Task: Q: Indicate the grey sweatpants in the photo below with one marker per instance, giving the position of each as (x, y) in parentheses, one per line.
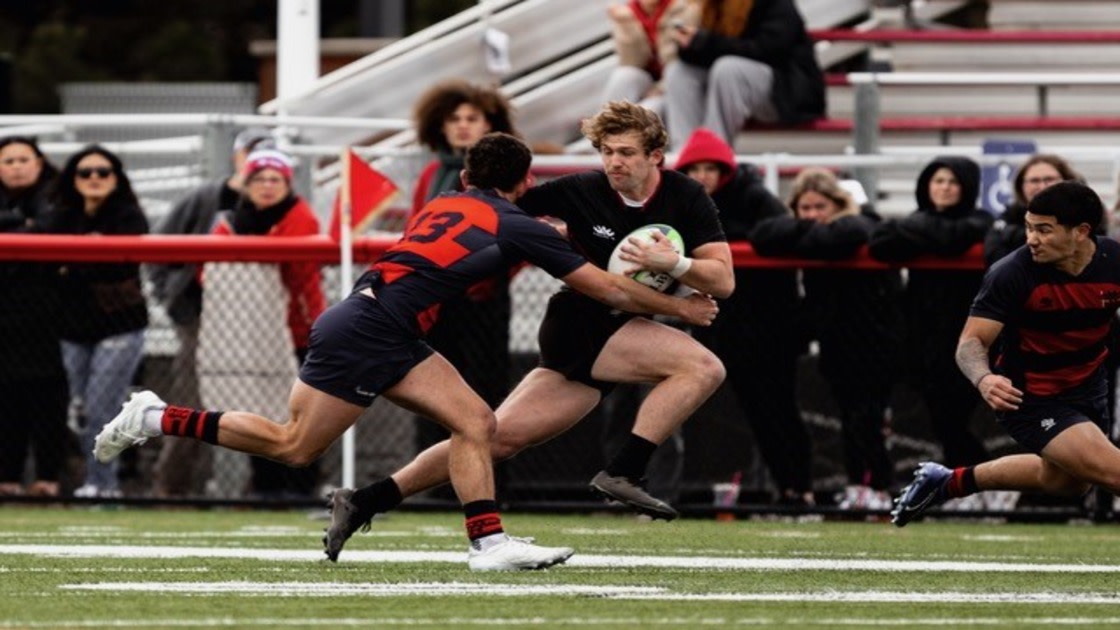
(721, 98)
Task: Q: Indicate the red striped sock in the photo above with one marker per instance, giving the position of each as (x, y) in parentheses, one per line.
(192, 423)
(962, 483)
(483, 519)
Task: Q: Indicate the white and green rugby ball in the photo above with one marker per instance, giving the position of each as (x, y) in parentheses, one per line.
(656, 281)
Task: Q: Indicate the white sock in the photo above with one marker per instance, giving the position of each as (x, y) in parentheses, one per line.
(153, 421)
(486, 542)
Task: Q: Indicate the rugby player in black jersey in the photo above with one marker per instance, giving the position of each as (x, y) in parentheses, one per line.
(586, 347)
(1046, 311)
(372, 344)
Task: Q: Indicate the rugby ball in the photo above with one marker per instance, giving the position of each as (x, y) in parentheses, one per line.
(654, 280)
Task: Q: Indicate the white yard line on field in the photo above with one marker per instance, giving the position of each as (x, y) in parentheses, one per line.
(585, 560)
(624, 622)
(466, 589)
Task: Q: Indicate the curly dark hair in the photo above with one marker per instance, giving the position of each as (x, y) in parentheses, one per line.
(442, 99)
(497, 160)
(619, 117)
(66, 196)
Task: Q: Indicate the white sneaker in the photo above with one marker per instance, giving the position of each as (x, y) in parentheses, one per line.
(127, 429)
(517, 555)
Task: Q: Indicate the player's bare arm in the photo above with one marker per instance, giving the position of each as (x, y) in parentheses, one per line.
(625, 294)
(972, 357)
(708, 270)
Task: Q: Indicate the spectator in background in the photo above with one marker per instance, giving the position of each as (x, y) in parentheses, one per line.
(1009, 233)
(472, 330)
(948, 224)
(854, 314)
(32, 380)
(269, 207)
(180, 468)
(748, 60)
(641, 31)
(105, 314)
(753, 336)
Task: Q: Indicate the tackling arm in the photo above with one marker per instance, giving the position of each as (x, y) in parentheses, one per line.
(626, 294)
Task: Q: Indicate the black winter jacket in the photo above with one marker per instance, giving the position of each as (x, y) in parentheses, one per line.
(854, 314)
(775, 35)
(936, 302)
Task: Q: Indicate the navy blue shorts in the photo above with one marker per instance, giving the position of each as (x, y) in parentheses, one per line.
(358, 351)
(1034, 424)
(573, 333)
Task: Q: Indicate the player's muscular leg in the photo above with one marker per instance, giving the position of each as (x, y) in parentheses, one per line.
(435, 389)
(317, 419)
(685, 373)
(1029, 473)
(1085, 453)
(543, 405)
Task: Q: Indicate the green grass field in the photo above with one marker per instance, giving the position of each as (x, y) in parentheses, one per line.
(139, 568)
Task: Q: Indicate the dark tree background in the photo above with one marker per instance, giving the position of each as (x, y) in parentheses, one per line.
(48, 42)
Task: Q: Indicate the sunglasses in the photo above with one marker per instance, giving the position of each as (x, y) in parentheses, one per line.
(101, 171)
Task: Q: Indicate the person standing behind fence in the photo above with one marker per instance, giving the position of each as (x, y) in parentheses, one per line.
(32, 380)
(269, 207)
(104, 314)
(1009, 232)
(180, 469)
(472, 331)
(748, 60)
(641, 32)
(753, 336)
(948, 224)
(854, 314)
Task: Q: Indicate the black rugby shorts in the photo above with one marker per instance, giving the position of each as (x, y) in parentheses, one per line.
(358, 351)
(573, 333)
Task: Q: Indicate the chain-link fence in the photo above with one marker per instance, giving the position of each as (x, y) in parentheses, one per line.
(240, 353)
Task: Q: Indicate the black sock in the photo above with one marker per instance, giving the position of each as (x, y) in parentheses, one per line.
(483, 519)
(378, 497)
(631, 460)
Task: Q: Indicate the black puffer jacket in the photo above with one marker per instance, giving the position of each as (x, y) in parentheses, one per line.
(29, 294)
(854, 314)
(936, 301)
(101, 299)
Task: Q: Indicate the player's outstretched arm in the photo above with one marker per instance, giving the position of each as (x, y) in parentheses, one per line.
(708, 270)
(625, 294)
(972, 357)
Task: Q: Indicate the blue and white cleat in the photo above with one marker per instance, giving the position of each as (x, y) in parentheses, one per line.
(926, 491)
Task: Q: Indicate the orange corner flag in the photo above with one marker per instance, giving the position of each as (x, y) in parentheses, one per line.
(367, 192)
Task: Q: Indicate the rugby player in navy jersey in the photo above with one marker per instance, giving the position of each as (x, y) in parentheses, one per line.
(371, 344)
(1049, 305)
(586, 347)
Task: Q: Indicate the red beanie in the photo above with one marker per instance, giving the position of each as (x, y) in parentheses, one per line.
(268, 158)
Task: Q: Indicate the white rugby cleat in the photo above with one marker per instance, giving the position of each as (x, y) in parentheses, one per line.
(127, 429)
(515, 554)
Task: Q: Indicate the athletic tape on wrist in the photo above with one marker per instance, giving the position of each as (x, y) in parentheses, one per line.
(684, 263)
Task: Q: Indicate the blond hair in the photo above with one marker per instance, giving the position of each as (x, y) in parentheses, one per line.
(619, 117)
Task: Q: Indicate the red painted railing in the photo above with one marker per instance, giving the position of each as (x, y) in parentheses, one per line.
(321, 249)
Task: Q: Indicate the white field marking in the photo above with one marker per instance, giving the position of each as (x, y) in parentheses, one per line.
(115, 535)
(594, 531)
(626, 622)
(1001, 538)
(444, 589)
(589, 560)
(790, 534)
(886, 597)
(333, 589)
(69, 570)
